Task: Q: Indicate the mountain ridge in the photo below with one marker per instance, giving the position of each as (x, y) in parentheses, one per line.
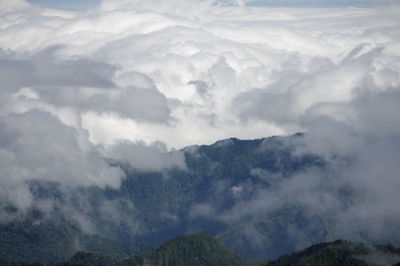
(228, 190)
(202, 250)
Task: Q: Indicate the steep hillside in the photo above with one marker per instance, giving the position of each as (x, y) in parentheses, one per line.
(344, 253)
(203, 250)
(196, 250)
(252, 195)
(57, 240)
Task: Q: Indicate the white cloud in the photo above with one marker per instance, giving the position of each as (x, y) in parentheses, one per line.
(127, 74)
(37, 146)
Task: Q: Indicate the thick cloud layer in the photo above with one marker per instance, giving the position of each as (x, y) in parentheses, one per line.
(127, 80)
(357, 190)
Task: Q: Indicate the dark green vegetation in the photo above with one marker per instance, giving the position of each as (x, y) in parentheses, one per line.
(181, 251)
(199, 250)
(152, 207)
(190, 250)
(342, 253)
(201, 198)
(57, 240)
(227, 191)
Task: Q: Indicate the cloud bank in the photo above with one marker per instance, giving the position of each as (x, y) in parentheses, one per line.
(128, 80)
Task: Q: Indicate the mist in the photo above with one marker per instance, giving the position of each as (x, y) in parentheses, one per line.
(136, 81)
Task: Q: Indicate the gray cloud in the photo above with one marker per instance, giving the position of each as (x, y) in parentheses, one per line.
(295, 92)
(133, 72)
(356, 190)
(246, 63)
(144, 105)
(83, 84)
(44, 69)
(145, 157)
(38, 146)
(371, 140)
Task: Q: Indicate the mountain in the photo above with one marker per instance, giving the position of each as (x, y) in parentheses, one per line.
(196, 250)
(57, 240)
(193, 250)
(154, 206)
(343, 253)
(199, 250)
(231, 190)
(203, 250)
(219, 178)
(208, 197)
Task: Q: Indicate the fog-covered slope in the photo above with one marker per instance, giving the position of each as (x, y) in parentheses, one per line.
(261, 198)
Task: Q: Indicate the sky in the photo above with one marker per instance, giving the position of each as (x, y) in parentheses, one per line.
(133, 80)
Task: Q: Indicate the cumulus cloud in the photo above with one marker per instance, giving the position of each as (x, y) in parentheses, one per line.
(85, 85)
(116, 80)
(325, 82)
(42, 69)
(269, 55)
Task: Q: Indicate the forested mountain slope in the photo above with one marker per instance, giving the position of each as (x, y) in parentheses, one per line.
(255, 196)
(203, 250)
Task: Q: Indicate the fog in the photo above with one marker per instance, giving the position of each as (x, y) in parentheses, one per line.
(134, 80)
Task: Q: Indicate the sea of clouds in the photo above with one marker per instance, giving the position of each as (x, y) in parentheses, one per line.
(130, 80)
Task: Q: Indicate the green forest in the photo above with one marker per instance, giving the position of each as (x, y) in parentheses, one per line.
(203, 250)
